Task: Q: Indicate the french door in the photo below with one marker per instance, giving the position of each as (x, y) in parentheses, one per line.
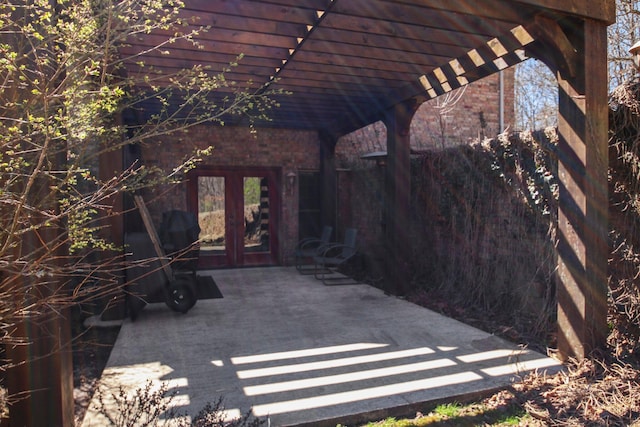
(237, 211)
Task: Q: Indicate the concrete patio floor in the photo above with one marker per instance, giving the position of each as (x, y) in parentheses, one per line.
(301, 353)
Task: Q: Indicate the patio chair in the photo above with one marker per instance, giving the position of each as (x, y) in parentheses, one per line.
(330, 257)
(306, 249)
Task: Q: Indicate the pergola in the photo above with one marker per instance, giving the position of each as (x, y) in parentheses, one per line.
(350, 63)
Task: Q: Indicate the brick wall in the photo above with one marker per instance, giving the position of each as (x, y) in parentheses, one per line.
(359, 198)
(475, 115)
(290, 150)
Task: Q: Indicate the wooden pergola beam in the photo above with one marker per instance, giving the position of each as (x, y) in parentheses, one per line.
(583, 248)
(601, 10)
(398, 195)
(583, 208)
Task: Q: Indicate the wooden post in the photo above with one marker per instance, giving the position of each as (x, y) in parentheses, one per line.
(398, 195)
(577, 52)
(38, 351)
(583, 205)
(110, 165)
(43, 383)
(40, 376)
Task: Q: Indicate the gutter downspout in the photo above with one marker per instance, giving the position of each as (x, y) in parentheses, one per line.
(501, 101)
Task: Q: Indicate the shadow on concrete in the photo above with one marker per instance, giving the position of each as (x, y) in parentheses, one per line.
(300, 353)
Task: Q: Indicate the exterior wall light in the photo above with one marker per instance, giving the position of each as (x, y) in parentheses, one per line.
(291, 182)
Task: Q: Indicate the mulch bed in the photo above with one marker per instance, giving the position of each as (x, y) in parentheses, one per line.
(91, 350)
(599, 391)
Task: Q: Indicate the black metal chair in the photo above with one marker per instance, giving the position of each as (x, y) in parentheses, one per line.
(331, 256)
(307, 248)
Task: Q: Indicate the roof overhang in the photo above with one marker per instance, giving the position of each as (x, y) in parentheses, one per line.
(345, 62)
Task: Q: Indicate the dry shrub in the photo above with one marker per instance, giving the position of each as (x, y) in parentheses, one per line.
(624, 190)
(485, 215)
(211, 225)
(154, 405)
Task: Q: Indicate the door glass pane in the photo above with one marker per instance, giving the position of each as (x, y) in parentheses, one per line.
(211, 214)
(256, 214)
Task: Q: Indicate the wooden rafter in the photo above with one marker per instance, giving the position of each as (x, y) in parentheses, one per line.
(345, 60)
(493, 56)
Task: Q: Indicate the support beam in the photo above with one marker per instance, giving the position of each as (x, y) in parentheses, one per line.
(553, 46)
(583, 206)
(398, 195)
(110, 164)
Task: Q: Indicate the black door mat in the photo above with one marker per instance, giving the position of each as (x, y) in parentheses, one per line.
(207, 288)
